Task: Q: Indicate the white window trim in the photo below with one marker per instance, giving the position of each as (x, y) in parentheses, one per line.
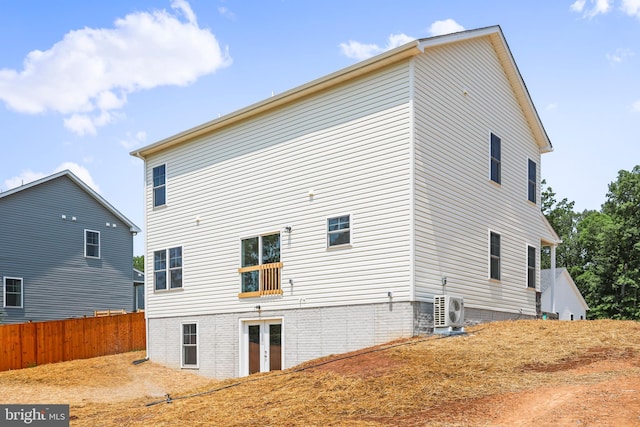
(99, 244)
(166, 189)
(537, 260)
(167, 269)
(499, 184)
(182, 364)
(259, 236)
(244, 367)
(326, 232)
(536, 194)
(489, 256)
(4, 292)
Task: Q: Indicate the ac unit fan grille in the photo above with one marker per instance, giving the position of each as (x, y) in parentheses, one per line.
(448, 311)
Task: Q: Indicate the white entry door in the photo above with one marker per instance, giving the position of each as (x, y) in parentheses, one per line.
(262, 346)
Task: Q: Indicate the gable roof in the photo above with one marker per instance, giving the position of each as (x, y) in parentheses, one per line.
(551, 236)
(138, 276)
(545, 283)
(132, 227)
(411, 49)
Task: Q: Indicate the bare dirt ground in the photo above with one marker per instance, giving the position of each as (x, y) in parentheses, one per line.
(526, 373)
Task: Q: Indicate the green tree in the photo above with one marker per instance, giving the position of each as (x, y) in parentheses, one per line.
(623, 206)
(594, 276)
(601, 249)
(564, 221)
(138, 262)
(610, 246)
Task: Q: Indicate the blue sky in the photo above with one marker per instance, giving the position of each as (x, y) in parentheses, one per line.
(84, 83)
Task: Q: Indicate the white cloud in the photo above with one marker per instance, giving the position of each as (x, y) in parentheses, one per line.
(226, 13)
(578, 6)
(360, 51)
(631, 7)
(184, 7)
(28, 176)
(619, 55)
(447, 26)
(356, 50)
(552, 107)
(134, 140)
(636, 106)
(90, 72)
(25, 177)
(81, 172)
(595, 7)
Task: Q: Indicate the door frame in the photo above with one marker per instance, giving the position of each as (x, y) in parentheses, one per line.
(243, 354)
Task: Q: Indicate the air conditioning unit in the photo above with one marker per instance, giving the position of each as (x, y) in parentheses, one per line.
(448, 311)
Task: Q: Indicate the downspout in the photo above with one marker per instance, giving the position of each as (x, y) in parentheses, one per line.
(139, 155)
(553, 278)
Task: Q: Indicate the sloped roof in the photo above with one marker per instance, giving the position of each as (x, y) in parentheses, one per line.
(545, 282)
(132, 227)
(138, 276)
(413, 48)
(551, 236)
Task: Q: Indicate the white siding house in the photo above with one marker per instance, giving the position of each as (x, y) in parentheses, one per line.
(325, 219)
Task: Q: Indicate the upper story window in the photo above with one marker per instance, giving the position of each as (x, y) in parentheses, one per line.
(531, 267)
(261, 267)
(339, 231)
(159, 186)
(167, 275)
(13, 292)
(496, 165)
(494, 262)
(91, 244)
(533, 179)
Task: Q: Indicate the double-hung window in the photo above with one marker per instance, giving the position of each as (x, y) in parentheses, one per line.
(159, 186)
(190, 345)
(533, 177)
(531, 267)
(13, 292)
(494, 256)
(496, 164)
(167, 269)
(339, 231)
(91, 244)
(260, 265)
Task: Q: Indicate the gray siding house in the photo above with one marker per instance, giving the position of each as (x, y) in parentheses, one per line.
(64, 252)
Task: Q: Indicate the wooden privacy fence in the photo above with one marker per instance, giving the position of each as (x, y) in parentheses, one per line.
(29, 344)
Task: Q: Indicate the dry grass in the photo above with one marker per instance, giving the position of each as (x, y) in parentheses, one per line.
(406, 380)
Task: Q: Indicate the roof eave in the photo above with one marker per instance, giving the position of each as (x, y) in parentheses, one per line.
(395, 55)
(322, 83)
(132, 227)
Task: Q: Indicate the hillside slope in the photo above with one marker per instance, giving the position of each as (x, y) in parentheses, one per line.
(527, 373)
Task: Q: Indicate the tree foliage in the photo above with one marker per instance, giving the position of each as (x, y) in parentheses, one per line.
(601, 249)
(564, 221)
(138, 262)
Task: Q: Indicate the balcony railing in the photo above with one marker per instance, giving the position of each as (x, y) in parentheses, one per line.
(269, 279)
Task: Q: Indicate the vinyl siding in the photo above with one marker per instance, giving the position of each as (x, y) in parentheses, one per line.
(37, 245)
(456, 204)
(350, 144)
